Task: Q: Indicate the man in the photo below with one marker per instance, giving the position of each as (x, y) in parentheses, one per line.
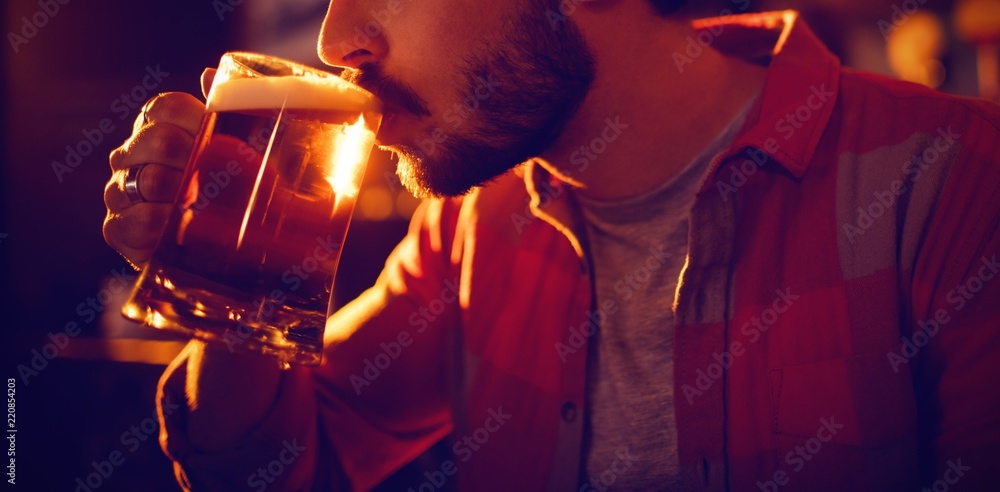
(728, 264)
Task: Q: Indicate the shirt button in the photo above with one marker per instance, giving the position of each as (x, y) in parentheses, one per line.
(569, 412)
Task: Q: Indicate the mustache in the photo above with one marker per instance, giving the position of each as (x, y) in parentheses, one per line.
(372, 78)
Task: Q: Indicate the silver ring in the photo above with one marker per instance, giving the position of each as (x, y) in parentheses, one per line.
(132, 184)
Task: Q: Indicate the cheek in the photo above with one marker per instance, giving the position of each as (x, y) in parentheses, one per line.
(431, 40)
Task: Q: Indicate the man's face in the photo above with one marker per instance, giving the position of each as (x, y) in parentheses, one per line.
(472, 88)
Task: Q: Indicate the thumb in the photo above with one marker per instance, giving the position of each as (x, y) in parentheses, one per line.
(207, 77)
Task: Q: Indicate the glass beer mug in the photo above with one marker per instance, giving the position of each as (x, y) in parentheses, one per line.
(250, 249)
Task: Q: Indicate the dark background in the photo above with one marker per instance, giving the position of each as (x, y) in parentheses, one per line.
(63, 82)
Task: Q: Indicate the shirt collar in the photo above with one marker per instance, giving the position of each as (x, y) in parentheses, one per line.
(800, 90)
(801, 84)
(551, 202)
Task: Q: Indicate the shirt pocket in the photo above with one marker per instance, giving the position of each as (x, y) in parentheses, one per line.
(859, 400)
(844, 424)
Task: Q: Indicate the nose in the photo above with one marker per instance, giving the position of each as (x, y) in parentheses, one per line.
(351, 36)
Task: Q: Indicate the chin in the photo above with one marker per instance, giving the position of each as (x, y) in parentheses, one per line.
(428, 179)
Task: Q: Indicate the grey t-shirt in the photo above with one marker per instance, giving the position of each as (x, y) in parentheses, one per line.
(638, 247)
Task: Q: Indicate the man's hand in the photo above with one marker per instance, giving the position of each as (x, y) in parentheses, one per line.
(162, 138)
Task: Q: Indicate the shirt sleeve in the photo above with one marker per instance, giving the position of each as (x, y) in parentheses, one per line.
(955, 330)
(378, 400)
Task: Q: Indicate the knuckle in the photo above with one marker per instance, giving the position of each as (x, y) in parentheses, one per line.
(117, 158)
(170, 106)
(141, 230)
(109, 189)
(151, 223)
(121, 233)
(108, 232)
(135, 232)
(160, 106)
(166, 141)
(158, 183)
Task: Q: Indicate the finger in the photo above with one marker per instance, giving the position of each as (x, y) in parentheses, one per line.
(135, 231)
(177, 108)
(157, 184)
(158, 143)
(207, 77)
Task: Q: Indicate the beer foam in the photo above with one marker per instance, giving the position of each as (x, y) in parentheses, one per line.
(291, 92)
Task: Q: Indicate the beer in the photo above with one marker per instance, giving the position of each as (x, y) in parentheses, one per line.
(251, 246)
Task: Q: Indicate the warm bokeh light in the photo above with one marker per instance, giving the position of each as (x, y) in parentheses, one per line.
(406, 204)
(978, 21)
(374, 204)
(915, 49)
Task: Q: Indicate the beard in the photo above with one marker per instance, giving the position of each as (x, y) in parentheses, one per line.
(517, 94)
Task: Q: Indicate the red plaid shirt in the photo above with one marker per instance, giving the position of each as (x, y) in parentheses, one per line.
(838, 321)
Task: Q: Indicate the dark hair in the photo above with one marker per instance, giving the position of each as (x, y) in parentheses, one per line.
(667, 7)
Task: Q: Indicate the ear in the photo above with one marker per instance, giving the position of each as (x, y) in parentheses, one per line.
(207, 77)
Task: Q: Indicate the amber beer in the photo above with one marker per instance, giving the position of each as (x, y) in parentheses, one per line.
(251, 246)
